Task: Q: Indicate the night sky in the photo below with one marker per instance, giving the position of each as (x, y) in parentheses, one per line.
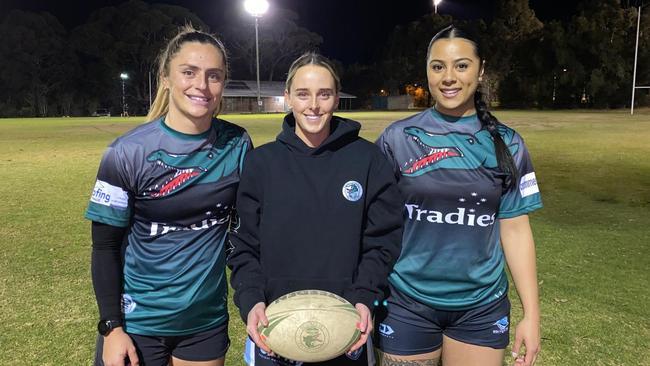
(352, 30)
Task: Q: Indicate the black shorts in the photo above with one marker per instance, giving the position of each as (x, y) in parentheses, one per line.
(209, 345)
(254, 356)
(406, 327)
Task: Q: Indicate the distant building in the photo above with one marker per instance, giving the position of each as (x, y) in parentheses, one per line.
(394, 102)
(240, 96)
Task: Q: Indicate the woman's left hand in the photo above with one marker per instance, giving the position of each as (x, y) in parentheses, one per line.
(527, 333)
(364, 325)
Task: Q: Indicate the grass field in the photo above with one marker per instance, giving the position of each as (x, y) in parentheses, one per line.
(593, 236)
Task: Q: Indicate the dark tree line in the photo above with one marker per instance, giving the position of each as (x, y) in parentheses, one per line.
(586, 61)
(49, 71)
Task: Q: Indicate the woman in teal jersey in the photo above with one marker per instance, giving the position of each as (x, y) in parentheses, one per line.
(469, 185)
(160, 213)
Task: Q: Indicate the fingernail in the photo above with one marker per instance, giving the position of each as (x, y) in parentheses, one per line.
(514, 354)
(359, 325)
(263, 337)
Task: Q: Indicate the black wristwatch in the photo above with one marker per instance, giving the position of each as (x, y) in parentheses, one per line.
(105, 326)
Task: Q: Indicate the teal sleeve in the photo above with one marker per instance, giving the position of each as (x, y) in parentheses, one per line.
(523, 197)
(110, 201)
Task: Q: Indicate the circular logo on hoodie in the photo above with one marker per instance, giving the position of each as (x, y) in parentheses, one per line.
(352, 191)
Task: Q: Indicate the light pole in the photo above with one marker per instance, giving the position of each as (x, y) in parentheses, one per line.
(636, 54)
(257, 8)
(124, 76)
(435, 5)
(555, 82)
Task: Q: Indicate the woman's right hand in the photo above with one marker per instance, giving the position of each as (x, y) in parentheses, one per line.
(256, 316)
(117, 346)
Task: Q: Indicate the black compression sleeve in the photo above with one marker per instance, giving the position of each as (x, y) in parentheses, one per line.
(106, 268)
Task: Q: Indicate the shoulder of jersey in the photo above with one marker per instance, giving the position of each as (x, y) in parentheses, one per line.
(229, 126)
(407, 121)
(135, 134)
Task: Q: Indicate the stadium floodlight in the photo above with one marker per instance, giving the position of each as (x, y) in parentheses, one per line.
(636, 55)
(124, 76)
(257, 8)
(435, 5)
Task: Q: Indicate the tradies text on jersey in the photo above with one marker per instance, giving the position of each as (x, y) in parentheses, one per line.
(159, 228)
(461, 216)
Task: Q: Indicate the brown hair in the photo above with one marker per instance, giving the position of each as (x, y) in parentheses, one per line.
(185, 35)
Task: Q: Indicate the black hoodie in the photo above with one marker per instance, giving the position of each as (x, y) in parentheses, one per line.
(327, 218)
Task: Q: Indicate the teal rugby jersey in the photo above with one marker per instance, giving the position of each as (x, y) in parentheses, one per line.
(451, 255)
(174, 192)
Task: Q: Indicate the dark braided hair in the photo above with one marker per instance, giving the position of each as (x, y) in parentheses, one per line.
(504, 158)
(505, 161)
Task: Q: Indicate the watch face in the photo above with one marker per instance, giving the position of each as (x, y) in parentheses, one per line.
(105, 326)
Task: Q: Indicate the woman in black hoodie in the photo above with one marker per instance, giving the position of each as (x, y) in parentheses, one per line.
(319, 209)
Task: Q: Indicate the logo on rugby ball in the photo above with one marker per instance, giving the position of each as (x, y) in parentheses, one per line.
(312, 336)
(352, 191)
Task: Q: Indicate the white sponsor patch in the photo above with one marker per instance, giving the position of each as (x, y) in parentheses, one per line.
(528, 185)
(109, 195)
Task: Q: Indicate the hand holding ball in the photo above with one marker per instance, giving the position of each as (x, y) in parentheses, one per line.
(310, 326)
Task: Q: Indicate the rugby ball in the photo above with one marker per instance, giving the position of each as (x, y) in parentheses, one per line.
(310, 326)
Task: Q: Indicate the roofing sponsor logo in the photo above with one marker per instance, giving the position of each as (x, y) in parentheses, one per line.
(528, 185)
(352, 191)
(109, 195)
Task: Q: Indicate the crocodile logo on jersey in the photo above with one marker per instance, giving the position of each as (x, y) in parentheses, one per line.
(452, 150)
(208, 165)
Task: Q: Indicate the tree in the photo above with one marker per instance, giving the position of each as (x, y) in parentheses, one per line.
(281, 41)
(37, 65)
(126, 38)
(404, 57)
(513, 29)
(602, 35)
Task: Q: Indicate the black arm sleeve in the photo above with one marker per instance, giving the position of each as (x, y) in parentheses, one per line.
(106, 268)
(247, 277)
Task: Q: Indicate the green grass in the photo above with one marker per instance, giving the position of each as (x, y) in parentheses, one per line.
(592, 236)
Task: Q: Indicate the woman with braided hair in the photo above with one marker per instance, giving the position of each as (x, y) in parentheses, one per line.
(469, 185)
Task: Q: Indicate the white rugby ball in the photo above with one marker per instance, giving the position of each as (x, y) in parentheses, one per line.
(311, 326)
